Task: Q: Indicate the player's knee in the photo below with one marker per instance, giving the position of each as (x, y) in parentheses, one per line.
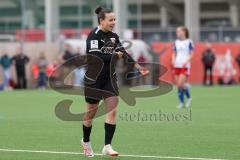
(89, 115)
(87, 123)
(88, 119)
(180, 85)
(112, 115)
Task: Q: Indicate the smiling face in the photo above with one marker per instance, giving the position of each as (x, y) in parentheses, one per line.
(108, 23)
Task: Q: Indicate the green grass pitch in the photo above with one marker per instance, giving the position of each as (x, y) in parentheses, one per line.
(210, 130)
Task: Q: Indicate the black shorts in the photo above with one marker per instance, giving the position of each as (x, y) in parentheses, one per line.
(101, 89)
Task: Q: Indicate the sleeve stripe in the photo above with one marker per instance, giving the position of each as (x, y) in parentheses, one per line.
(95, 50)
(191, 47)
(174, 47)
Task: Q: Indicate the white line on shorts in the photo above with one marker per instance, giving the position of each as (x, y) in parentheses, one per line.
(77, 153)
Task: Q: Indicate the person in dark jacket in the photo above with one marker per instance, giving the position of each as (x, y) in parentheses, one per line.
(238, 62)
(20, 60)
(6, 62)
(68, 67)
(208, 59)
(67, 55)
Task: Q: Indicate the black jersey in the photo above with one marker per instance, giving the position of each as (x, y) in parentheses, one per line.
(103, 45)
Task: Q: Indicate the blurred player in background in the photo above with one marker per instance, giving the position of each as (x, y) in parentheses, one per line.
(181, 58)
(42, 75)
(238, 62)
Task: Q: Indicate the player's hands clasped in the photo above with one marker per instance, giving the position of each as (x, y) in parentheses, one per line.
(120, 54)
(144, 71)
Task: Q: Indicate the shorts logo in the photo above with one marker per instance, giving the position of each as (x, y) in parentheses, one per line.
(113, 40)
(94, 44)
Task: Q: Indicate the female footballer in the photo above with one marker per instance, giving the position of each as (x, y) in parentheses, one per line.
(102, 43)
(181, 58)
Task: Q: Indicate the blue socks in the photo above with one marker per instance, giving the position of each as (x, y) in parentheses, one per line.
(187, 92)
(182, 92)
(181, 95)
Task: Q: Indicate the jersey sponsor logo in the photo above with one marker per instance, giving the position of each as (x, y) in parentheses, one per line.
(107, 50)
(108, 47)
(94, 44)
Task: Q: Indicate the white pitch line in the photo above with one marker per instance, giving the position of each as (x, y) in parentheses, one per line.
(77, 153)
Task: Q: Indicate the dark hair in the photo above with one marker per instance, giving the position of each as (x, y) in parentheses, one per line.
(100, 11)
(185, 29)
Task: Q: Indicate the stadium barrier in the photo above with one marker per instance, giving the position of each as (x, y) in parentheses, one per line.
(222, 68)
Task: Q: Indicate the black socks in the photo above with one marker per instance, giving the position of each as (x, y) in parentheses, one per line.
(109, 132)
(86, 133)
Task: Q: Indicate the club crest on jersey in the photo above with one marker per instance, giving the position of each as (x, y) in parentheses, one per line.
(113, 40)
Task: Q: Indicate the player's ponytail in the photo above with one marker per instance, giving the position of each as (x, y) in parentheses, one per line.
(100, 11)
